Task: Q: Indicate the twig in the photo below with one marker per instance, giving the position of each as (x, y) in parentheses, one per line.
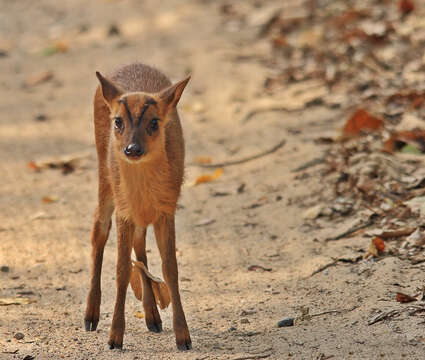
(252, 357)
(323, 268)
(353, 229)
(397, 233)
(411, 310)
(243, 160)
(335, 311)
(260, 110)
(309, 164)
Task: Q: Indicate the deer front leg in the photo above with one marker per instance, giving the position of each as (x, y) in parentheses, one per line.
(166, 239)
(152, 318)
(125, 230)
(99, 236)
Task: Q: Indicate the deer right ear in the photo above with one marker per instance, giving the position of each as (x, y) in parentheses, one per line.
(109, 90)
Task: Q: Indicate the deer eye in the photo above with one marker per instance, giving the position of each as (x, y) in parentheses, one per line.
(153, 126)
(118, 124)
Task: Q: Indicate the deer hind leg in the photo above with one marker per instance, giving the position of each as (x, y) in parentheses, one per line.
(166, 239)
(152, 318)
(125, 229)
(99, 236)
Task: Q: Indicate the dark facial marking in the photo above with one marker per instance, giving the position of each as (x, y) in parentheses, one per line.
(149, 101)
(124, 102)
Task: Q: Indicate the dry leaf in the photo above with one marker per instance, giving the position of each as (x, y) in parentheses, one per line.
(404, 298)
(56, 47)
(361, 121)
(39, 78)
(376, 247)
(66, 163)
(203, 160)
(379, 244)
(406, 6)
(159, 287)
(209, 177)
(139, 315)
(400, 139)
(16, 301)
(258, 267)
(33, 166)
(49, 199)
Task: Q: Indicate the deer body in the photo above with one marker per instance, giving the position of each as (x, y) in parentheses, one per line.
(140, 149)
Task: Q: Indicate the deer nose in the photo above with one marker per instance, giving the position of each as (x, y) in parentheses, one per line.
(134, 150)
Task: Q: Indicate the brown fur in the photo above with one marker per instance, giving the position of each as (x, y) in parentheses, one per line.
(143, 191)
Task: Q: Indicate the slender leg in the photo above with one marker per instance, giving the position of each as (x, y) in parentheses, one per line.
(99, 236)
(166, 240)
(125, 230)
(152, 318)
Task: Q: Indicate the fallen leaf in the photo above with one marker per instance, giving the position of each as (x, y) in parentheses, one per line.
(375, 248)
(410, 149)
(379, 244)
(39, 78)
(16, 301)
(404, 298)
(66, 163)
(417, 238)
(56, 47)
(49, 199)
(385, 234)
(313, 212)
(203, 160)
(205, 222)
(258, 267)
(415, 98)
(406, 6)
(139, 315)
(33, 166)
(398, 140)
(361, 121)
(159, 287)
(209, 177)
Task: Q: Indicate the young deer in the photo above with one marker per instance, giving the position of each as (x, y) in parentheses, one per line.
(140, 151)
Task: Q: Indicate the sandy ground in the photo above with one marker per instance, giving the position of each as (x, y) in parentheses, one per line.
(232, 312)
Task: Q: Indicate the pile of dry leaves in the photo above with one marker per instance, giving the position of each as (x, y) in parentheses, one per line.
(366, 58)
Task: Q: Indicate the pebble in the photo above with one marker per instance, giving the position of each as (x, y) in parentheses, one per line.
(19, 336)
(4, 268)
(286, 322)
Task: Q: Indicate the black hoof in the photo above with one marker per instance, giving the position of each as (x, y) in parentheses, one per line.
(184, 346)
(91, 325)
(112, 345)
(155, 327)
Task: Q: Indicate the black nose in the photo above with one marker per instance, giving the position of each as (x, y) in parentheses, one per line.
(134, 150)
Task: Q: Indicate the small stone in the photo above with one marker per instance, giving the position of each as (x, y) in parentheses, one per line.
(286, 322)
(4, 268)
(40, 117)
(114, 30)
(313, 212)
(19, 336)
(244, 321)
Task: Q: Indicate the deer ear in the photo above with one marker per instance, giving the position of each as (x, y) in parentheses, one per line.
(171, 95)
(109, 90)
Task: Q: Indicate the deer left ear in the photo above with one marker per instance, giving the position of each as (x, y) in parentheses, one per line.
(171, 95)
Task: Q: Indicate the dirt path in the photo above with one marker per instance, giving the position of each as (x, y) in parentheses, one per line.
(250, 216)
